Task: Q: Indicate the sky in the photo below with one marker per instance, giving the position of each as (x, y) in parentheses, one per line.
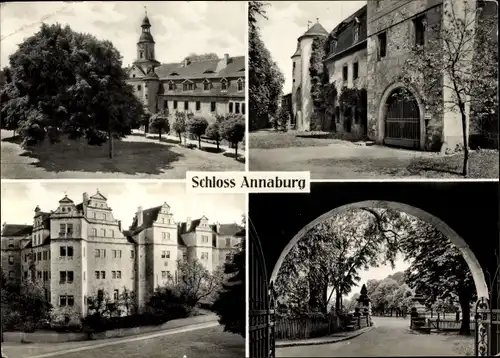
(288, 20)
(178, 28)
(19, 200)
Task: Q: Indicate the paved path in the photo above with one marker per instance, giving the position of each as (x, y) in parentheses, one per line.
(341, 160)
(205, 340)
(389, 337)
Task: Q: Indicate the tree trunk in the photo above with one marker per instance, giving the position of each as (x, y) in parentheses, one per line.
(217, 141)
(199, 142)
(159, 135)
(110, 141)
(236, 150)
(337, 300)
(180, 138)
(464, 299)
(465, 169)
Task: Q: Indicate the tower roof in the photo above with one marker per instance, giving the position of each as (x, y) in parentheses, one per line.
(145, 22)
(315, 30)
(297, 51)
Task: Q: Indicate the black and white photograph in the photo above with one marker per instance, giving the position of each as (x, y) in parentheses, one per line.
(375, 270)
(374, 89)
(121, 270)
(109, 90)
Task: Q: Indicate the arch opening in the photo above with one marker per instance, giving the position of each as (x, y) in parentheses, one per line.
(401, 120)
(447, 231)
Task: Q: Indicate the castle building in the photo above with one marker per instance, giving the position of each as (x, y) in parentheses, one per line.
(366, 52)
(79, 250)
(202, 86)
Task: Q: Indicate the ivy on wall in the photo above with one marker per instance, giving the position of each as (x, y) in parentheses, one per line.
(318, 73)
(353, 99)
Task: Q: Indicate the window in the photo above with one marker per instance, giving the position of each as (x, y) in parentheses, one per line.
(117, 254)
(103, 274)
(237, 107)
(11, 275)
(188, 86)
(94, 232)
(97, 274)
(62, 277)
(228, 242)
(165, 236)
(382, 45)
(198, 105)
(39, 274)
(356, 33)
(70, 251)
(241, 84)
(223, 85)
(11, 242)
(138, 87)
(62, 300)
(165, 105)
(204, 239)
(184, 255)
(213, 106)
(345, 72)
(175, 104)
(97, 253)
(419, 26)
(25, 257)
(133, 75)
(103, 232)
(186, 105)
(377, 3)
(118, 274)
(243, 107)
(113, 274)
(115, 295)
(83, 275)
(164, 274)
(230, 107)
(171, 86)
(132, 254)
(45, 275)
(11, 259)
(355, 70)
(45, 255)
(206, 85)
(165, 254)
(39, 256)
(25, 274)
(112, 232)
(70, 276)
(204, 255)
(141, 54)
(294, 65)
(333, 45)
(71, 300)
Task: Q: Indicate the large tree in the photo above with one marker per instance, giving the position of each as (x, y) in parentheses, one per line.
(65, 82)
(460, 58)
(230, 305)
(266, 79)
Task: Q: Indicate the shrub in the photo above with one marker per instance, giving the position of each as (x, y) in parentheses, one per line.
(233, 130)
(159, 121)
(213, 132)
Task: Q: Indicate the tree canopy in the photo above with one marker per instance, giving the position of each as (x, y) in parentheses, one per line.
(64, 82)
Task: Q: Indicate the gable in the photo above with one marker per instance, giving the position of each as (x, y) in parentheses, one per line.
(136, 71)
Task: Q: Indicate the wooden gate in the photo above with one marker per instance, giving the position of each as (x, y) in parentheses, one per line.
(262, 320)
(402, 122)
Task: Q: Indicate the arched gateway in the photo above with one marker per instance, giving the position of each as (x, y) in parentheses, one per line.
(437, 204)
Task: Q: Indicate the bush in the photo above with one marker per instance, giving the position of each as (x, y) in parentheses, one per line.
(213, 132)
(233, 130)
(197, 126)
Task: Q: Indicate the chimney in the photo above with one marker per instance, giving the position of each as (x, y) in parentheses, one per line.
(226, 59)
(188, 223)
(186, 62)
(120, 225)
(139, 216)
(85, 198)
(218, 228)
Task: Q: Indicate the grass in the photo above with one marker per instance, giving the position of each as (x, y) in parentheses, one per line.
(271, 139)
(208, 342)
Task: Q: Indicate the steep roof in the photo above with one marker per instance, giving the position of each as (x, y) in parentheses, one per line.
(229, 229)
(17, 230)
(297, 51)
(344, 32)
(149, 216)
(316, 30)
(203, 68)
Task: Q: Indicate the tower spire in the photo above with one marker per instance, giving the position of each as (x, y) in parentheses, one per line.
(145, 10)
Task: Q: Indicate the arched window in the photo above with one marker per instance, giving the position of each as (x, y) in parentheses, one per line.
(223, 84)
(241, 85)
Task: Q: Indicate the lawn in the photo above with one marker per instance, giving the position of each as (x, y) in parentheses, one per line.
(270, 139)
(134, 156)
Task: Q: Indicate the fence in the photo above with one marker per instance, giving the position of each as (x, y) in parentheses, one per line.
(448, 325)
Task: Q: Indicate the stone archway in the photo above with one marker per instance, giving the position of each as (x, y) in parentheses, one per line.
(448, 232)
(417, 138)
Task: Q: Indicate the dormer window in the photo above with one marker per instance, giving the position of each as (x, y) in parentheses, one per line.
(241, 85)
(208, 71)
(171, 86)
(133, 76)
(174, 74)
(223, 84)
(141, 54)
(241, 69)
(333, 45)
(206, 85)
(356, 32)
(188, 86)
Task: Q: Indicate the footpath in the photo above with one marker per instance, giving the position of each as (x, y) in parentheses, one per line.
(333, 338)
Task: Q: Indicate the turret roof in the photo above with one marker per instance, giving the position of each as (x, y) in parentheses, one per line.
(315, 30)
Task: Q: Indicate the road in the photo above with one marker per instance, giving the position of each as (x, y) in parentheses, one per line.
(389, 337)
(208, 341)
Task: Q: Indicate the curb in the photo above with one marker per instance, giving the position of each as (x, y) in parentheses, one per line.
(326, 341)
